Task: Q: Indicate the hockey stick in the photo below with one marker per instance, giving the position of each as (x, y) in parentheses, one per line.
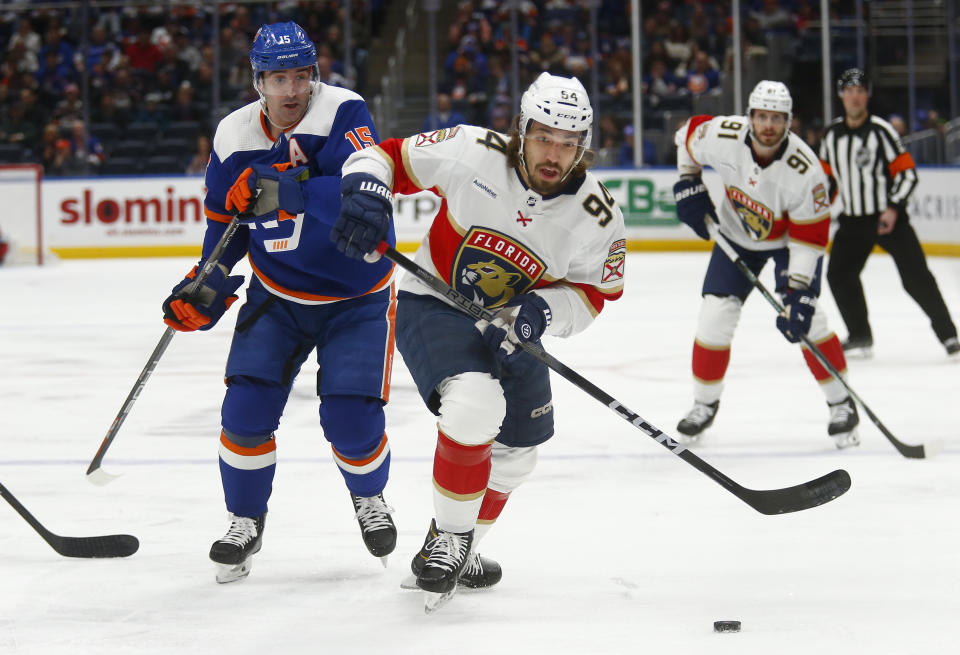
(915, 452)
(95, 472)
(111, 545)
(766, 501)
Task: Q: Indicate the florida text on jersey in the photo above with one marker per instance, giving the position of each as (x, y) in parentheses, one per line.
(294, 258)
(494, 237)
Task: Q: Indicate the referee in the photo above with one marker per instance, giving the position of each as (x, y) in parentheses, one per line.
(875, 176)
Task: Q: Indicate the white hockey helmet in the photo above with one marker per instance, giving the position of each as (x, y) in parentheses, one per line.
(559, 102)
(771, 96)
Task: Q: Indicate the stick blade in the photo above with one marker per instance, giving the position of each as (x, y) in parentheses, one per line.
(800, 497)
(933, 448)
(100, 477)
(113, 545)
(921, 451)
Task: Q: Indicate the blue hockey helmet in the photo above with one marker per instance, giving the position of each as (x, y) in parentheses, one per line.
(281, 46)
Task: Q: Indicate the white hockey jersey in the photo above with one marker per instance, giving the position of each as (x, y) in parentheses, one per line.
(494, 237)
(782, 204)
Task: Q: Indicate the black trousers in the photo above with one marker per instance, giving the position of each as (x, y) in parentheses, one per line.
(852, 244)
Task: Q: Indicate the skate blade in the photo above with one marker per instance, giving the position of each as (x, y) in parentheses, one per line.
(432, 601)
(383, 560)
(859, 353)
(227, 573)
(689, 439)
(409, 583)
(846, 440)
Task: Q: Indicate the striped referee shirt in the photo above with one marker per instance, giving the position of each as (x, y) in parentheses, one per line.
(870, 166)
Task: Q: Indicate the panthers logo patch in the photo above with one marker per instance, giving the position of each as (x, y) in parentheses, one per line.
(491, 268)
(756, 217)
(616, 258)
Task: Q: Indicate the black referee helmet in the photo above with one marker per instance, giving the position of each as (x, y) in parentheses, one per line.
(852, 77)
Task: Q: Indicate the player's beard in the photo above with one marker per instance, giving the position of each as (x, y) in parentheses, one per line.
(771, 139)
(545, 186)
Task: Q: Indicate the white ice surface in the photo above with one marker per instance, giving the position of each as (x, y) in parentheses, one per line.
(613, 546)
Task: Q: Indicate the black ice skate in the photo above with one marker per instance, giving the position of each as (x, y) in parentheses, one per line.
(234, 552)
(377, 528)
(449, 552)
(859, 347)
(698, 419)
(478, 573)
(843, 423)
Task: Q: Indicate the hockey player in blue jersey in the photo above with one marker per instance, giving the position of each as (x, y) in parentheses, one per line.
(303, 294)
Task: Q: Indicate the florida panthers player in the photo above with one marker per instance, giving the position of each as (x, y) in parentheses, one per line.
(523, 229)
(776, 207)
(303, 293)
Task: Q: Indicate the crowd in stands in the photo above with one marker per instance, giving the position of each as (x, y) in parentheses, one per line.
(151, 76)
(150, 80)
(686, 47)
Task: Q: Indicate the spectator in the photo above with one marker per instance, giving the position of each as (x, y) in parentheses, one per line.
(52, 77)
(21, 60)
(71, 106)
(48, 145)
(19, 127)
(99, 49)
(26, 37)
(579, 61)
(63, 162)
(608, 132)
(86, 150)
(813, 133)
(327, 75)
(151, 111)
(106, 111)
(500, 120)
(900, 125)
(198, 164)
(126, 91)
(143, 54)
(616, 86)
(61, 51)
(773, 19)
(184, 109)
(446, 116)
(702, 76)
(549, 58)
(679, 47)
(659, 84)
(648, 157)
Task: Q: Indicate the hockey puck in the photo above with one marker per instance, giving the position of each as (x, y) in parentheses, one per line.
(726, 626)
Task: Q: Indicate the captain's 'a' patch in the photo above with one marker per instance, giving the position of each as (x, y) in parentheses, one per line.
(616, 260)
(436, 136)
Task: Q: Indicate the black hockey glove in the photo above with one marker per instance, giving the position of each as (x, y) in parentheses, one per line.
(366, 208)
(522, 319)
(798, 308)
(693, 204)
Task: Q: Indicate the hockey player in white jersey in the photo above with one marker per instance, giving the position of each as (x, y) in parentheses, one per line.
(524, 230)
(776, 206)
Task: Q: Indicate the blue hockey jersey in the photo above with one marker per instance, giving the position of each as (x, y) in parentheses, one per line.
(294, 258)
